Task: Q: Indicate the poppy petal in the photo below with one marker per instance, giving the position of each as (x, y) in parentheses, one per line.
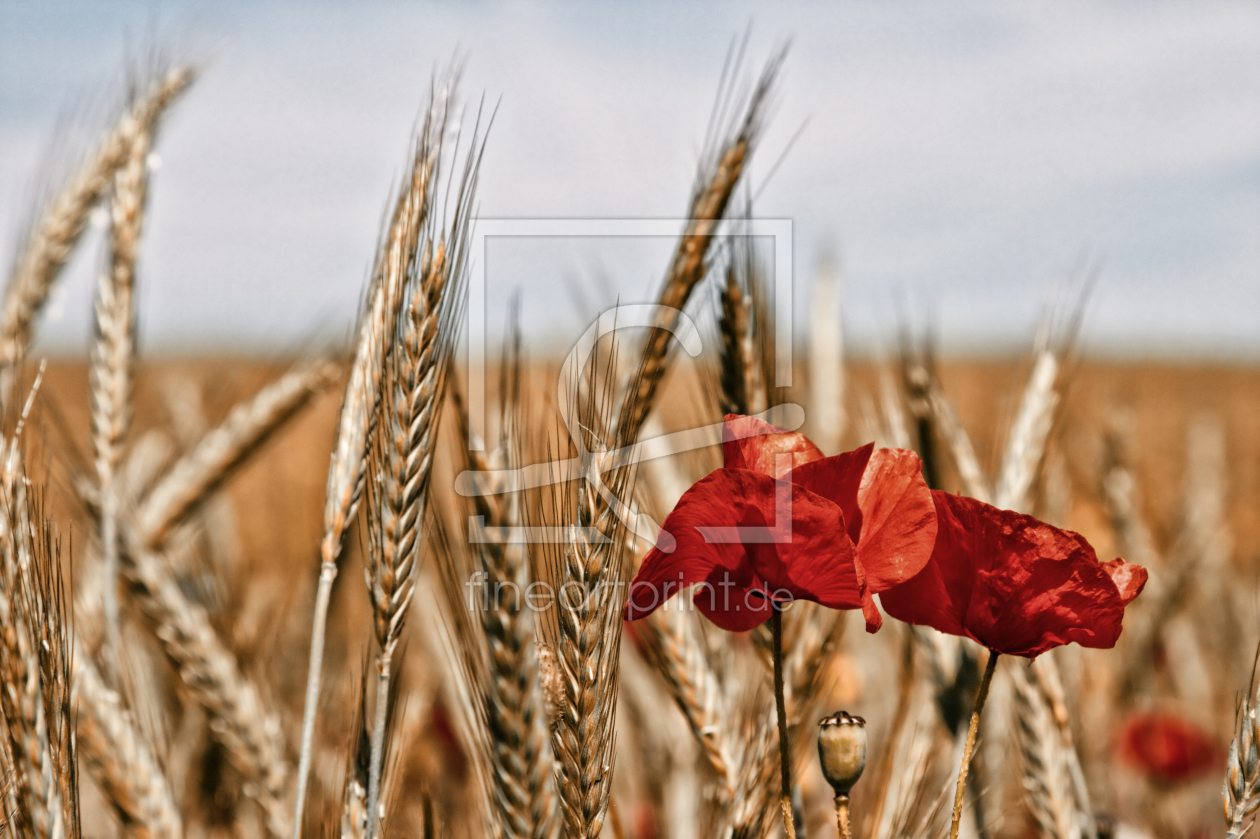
(887, 505)
(733, 609)
(744, 535)
(874, 620)
(1130, 579)
(1013, 583)
(754, 444)
(838, 479)
(1168, 749)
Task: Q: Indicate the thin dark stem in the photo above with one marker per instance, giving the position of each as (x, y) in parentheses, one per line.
(970, 745)
(785, 763)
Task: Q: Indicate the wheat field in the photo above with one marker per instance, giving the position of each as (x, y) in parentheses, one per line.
(189, 647)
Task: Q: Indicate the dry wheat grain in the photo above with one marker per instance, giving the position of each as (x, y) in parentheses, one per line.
(63, 219)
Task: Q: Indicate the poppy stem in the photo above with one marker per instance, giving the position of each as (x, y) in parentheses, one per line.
(842, 817)
(970, 745)
(785, 763)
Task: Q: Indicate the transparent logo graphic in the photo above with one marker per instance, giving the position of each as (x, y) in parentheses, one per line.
(592, 465)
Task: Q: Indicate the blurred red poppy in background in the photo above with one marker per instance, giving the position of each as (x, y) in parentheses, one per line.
(1167, 749)
(780, 522)
(1014, 584)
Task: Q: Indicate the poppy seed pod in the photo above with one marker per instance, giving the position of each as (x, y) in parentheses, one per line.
(842, 750)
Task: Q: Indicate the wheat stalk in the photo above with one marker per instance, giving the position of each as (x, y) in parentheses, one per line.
(112, 359)
(506, 673)
(64, 218)
(589, 634)
(120, 759)
(826, 361)
(213, 459)
(359, 409)
(917, 372)
(752, 812)
(895, 742)
(1119, 495)
(716, 183)
(1172, 579)
(1049, 681)
(402, 456)
(894, 428)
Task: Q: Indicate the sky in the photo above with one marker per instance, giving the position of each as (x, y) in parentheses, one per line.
(961, 163)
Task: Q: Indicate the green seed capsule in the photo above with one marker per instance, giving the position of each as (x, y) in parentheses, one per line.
(842, 750)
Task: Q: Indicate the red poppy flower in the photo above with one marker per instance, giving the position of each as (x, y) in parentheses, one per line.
(780, 522)
(1013, 583)
(1167, 749)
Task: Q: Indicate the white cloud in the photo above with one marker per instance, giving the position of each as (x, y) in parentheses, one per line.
(966, 154)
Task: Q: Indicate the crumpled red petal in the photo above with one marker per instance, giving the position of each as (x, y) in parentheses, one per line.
(888, 507)
(1014, 584)
(753, 444)
(741, 566)
(1130, 579)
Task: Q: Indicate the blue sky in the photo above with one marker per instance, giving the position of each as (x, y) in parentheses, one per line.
(963, 157)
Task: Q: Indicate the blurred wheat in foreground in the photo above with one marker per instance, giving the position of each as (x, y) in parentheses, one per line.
(174, 662)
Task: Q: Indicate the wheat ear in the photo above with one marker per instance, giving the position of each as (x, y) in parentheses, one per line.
(752, 810)
(409, 414)
(240, 717)
(588, 632)
(210, 462)
(893, 745)
(120, 759)
(587, 645)
(113, 356)
(950, 428)
(736, 359)
(355, 425)
(679, 655)
(1170, 583)
(1026, 443)
(506, 673)
(34, 663)
(1241, 794)
(64, 218)
(715, 185)
(1047, 778)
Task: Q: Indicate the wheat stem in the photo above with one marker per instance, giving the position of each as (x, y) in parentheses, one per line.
(319, 628)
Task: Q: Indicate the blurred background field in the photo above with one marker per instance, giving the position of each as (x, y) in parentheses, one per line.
(277, 499)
